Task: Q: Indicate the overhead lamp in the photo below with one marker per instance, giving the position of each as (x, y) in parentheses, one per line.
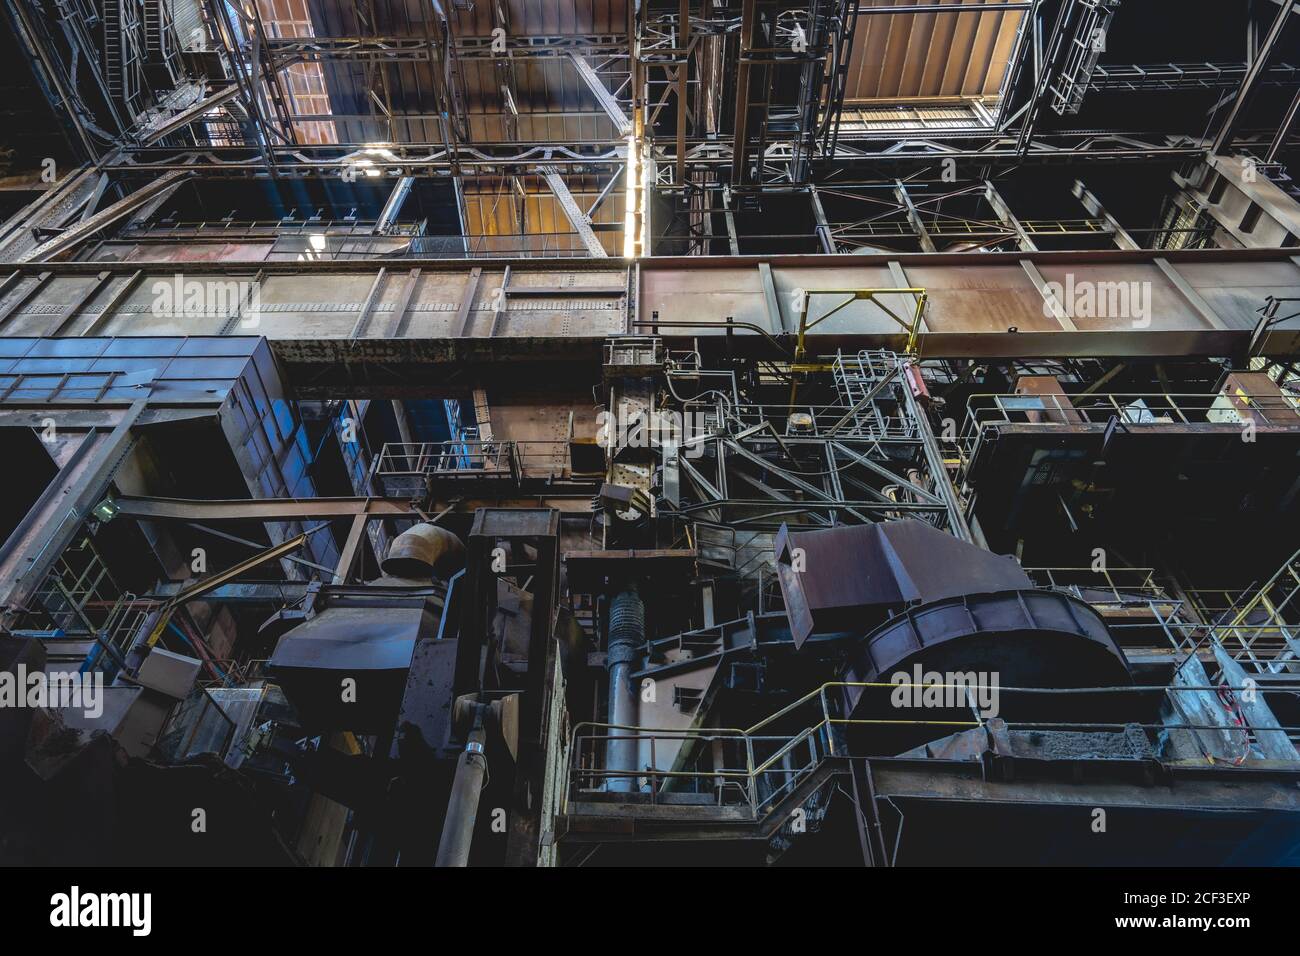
(632, 197)
(106, 510)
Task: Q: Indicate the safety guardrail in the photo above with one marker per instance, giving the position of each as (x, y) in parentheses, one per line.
(754, 769)
(468, 459)
(1133, 408)
(1121, 585)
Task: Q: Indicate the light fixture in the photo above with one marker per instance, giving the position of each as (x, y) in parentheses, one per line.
(106, 510)
(632, 197)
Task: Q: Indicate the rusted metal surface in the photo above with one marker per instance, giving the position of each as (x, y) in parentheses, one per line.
(848, 578)
(991, 306)
(898, 56)
(424, 551)
(999, 641)
(1202, 302)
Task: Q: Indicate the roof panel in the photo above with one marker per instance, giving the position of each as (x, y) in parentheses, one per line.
(904, 56)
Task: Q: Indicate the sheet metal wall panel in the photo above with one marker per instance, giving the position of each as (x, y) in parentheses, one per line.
(239, 373)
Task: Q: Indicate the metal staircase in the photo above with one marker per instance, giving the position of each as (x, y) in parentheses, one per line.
(859, 379)
(162, 44)
(1083, 50)
(726, 784)
(775, 800)
(1264, 636)
(114, 53)
(124, 41)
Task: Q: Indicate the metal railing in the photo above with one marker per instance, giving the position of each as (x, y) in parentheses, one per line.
(868, 407)
(961, 227)
(1268, 619)
(910, 324)
(1269, 648)
(1213, 604)
(1260, 647)
(1137, 408)
(754, 769)
(230, 230)
(872, 422)
(471, 459)
(455, 458)
(1259, 629)
(988, 411)
(1122, 585)
(79, 600)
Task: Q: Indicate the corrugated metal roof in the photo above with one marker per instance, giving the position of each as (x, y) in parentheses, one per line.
(915, 55)
(545, 17)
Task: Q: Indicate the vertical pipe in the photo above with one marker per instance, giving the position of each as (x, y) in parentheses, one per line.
(934, 464)
(462, 808)
(626, 634)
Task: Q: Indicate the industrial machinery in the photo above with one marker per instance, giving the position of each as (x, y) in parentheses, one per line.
(733, 432)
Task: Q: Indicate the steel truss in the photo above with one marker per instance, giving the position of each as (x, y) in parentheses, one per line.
(400, 159)
(712, 140)
(867, 456)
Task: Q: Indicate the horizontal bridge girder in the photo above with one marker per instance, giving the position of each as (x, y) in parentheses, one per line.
(429, 312)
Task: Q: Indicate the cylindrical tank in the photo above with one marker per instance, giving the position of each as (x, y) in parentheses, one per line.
(423, 552)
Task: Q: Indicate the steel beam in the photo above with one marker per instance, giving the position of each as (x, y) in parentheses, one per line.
(51, 71)
(1192, 788)
(189, 115)
(486, 160)
(824, 235)
(1284, 130)
(393, 205)
(1258, 68)
(261, 509)
(740, 142)
(1007, 217)
(1047, 68)
(914, 217)
(1095, 208)
(69, 238)
(572, 211)
(604, 98)
(561, 309)
(59, 513)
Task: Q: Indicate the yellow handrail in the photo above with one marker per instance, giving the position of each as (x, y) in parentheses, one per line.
(854, 295)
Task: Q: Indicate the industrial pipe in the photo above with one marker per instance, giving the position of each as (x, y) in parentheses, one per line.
(462, 808)
(424, 551)
(626, 635)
